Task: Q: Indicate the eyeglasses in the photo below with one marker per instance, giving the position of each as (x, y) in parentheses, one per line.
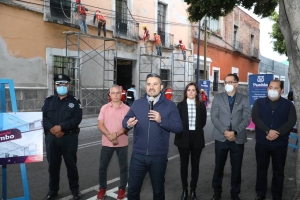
(61, 82)
(229, 82)
(113, 93)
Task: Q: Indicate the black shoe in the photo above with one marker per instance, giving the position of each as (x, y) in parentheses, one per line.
(184, 195)
(76, 195)
(193, 195)
(235, 197)
(50, 195)
(260, 198)
(216, 197)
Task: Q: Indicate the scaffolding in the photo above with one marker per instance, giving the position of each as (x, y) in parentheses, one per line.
(91, 52)
(174, 72)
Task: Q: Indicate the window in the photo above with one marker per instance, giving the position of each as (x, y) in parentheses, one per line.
(121, 17)
(212, 24)
(201, 74)
(161, 23)
(251, 45)
(161, 17)
(60, 10)
(165, 77)
(235, 32)
(60, 64)
(216, 80)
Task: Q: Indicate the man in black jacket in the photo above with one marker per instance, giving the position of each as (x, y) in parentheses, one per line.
(273, 117)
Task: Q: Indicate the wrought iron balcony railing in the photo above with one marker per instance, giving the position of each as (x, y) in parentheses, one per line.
(238, 46)
(254, 52)
(126, 29)
(167, 39)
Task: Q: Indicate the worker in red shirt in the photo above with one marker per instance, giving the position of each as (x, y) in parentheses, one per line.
(101, 22)
(169, 93)
(146, 38)
(183, 48)
(123, 97)
(157, 43)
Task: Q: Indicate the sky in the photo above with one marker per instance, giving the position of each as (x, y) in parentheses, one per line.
(266, 47)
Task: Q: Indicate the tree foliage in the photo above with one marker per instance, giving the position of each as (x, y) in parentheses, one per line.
(279, 42)
(215, 8)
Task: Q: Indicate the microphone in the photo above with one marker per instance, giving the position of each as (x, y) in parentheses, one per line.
(151, 100)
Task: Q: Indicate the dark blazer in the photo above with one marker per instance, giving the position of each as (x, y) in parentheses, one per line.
(182, 139)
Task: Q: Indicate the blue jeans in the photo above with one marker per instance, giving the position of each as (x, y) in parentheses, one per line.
(82, 24)
(184, 55)
(156, 165)
(158, 49)
(105, 157)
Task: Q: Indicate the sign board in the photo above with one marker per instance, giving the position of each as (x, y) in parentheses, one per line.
(205, 85)
(258, 84)
(21, 137)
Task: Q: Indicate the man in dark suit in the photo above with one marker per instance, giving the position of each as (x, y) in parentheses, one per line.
(230, 114)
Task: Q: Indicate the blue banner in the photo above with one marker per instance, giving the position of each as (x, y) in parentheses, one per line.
(258, 84)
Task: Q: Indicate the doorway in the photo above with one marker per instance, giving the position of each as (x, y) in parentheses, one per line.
(124, 73)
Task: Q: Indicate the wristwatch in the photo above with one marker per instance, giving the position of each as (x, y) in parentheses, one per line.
(235, 133)
(267, 131)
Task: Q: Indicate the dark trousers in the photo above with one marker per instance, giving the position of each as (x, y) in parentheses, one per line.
(104, 28)
(139, 166)
(236, 158)
(278, 155)
(65, 147)
(184, 165)
(105, 157)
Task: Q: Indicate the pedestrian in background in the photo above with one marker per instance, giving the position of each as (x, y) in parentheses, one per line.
(157, 43)
(62, 115)
(114, 139)
(123, 95)
(230, 115)
(101, 22)
(81, 13)
(190, 141)
(169, 93)
(131, 95)
(274, 117)
(203, 97)
(151, 138)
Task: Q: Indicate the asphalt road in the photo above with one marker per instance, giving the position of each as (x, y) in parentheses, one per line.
(88, 163)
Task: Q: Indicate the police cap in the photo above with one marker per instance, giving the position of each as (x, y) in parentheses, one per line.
(61, 77)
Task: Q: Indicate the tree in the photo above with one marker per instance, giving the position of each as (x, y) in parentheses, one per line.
(279, 42)
(289, 24)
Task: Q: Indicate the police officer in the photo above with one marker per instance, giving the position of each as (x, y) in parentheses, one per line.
(62, 114)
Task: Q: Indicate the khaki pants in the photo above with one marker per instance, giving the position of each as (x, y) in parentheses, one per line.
(146, 46)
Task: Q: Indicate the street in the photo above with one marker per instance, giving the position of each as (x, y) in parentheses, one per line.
(88, 163)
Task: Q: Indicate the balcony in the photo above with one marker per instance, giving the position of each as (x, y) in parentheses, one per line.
(167, 39)
(126, 29)
(254, 53)
(238, 46)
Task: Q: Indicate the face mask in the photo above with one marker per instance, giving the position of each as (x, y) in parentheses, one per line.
(273, 93)
(61, 90)
(229, 88)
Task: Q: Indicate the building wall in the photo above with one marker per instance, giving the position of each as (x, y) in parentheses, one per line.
(30, 41)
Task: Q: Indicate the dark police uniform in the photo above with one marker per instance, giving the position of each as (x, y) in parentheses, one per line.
(67, 113)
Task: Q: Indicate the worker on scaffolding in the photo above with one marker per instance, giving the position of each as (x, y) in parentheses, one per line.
(146, 38)
(169, 93)
(183, 48)
(81, 13)
(157, 43)
(101, 22)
